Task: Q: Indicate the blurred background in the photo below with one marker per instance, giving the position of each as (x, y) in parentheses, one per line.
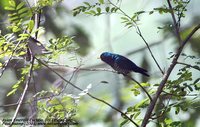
(96, 34)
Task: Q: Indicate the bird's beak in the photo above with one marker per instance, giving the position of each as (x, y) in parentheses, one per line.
(98, 58)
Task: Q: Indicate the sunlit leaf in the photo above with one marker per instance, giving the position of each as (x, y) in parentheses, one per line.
(101, 1)
(19, 6)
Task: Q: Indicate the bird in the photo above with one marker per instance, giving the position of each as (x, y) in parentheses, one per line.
(122, 64)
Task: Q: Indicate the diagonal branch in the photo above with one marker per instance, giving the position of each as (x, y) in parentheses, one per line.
(166, 76)
(116, 109)
(24, 92)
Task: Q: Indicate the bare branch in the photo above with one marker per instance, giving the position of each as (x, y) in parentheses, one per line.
(165, 78)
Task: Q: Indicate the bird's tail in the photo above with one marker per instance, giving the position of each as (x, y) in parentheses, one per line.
(143, 71)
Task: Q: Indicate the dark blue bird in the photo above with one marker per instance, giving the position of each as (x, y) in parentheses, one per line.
(121, 64)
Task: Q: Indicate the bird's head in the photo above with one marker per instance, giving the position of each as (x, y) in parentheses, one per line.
(105, 55)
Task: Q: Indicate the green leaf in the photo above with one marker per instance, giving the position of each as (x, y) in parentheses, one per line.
(11, 92)
(101, 1)
(19, 6)
(136, 115)
(151, 12)
(145, 84)
(24, 15)
(107, 9)
(99, 10)
(197, 86)
(135, 91)
(113, 9)
(23, 10)
(140, 12)
(30, 25)
(16, 85)
(92, 12)
(21, 53)
(176, 124)
(86, 3)
(12, 14)
(125, 18)
(14, 18)
(16, 29)
(177, 110)
(196, 81)
(12, 3)
(168, 121)
(124, 122)
(9, 8)
(143, 104)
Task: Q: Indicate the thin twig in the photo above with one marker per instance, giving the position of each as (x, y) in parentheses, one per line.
(139, 33)
(116, 109)
(24, 92)
(195, 67)
(165, 78)
(9, 105)
(176, 27)
(143, 48)
(180, 13)
(151, 53)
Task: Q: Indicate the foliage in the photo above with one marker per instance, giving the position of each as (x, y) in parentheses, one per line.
(59, 110)
(61, 45)
(21, 43)
(177, 90)
(18, 16)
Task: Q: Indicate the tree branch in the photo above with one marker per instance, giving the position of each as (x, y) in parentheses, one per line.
(143, 48)
(24, 92)
(116, 109)
(165, 78)
(176, 27)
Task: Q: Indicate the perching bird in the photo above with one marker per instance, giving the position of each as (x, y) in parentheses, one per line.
(121, 64)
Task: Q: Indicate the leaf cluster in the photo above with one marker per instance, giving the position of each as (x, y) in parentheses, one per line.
(61, 45)
(62, 109)
(95, 9)
(18, 16)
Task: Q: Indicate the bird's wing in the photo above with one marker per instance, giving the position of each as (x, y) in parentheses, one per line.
(125, 63)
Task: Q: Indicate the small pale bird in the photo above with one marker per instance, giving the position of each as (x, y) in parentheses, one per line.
(121, 64)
